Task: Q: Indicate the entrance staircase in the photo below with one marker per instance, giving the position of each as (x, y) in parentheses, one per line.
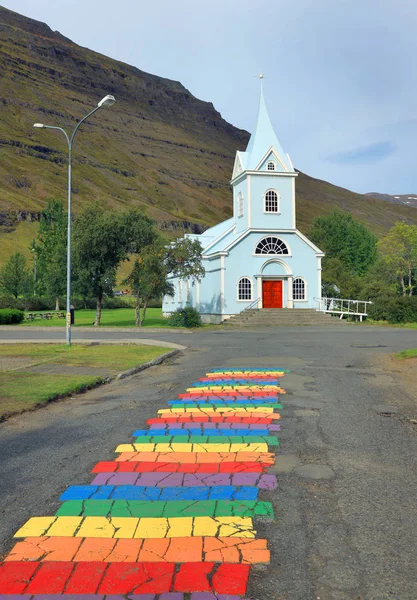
(282, 317)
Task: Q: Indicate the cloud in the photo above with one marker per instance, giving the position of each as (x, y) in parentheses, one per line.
(371, 153)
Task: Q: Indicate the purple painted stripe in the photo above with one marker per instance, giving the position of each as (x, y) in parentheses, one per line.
(159, 479)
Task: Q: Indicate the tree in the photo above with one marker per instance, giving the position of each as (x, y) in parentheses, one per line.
(101, 241)
(398, 251)
(14, 276)
(51, 251)
(148, 279)
(183, 259)
(156, 264)
(340, 236)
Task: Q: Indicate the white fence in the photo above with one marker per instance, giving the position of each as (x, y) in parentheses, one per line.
(342, 307)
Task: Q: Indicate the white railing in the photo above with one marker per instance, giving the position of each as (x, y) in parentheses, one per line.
(343, 306)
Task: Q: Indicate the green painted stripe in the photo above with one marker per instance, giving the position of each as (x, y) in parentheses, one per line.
(175, 508)
(271, 440)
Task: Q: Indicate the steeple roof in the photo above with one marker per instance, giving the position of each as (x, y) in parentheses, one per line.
(262, 140)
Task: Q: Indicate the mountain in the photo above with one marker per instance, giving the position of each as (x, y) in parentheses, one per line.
(158, 147)
(404, 199)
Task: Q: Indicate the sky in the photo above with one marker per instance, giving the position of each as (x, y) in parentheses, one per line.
(340, 77)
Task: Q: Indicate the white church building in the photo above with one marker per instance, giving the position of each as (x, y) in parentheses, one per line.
(258, 258)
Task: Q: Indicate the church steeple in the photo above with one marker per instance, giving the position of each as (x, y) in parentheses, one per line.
(263, 139)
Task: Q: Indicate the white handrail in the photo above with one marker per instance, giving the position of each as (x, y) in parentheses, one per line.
(343, 306)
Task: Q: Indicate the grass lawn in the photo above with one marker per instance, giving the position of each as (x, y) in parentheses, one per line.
(116, 317)
(408, 353)
(22, 388)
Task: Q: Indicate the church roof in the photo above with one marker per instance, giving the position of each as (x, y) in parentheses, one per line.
(262, 140)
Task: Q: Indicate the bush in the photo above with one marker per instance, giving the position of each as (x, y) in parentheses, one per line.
(8, 301)
(8, 316)
(36, 303)
(401, 309)
(185, 317)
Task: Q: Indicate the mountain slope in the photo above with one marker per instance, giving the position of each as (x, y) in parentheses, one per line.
(158, 147)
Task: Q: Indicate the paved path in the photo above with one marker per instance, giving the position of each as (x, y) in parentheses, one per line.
(346, 484)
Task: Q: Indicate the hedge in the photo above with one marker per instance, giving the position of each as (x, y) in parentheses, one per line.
(400, 309)
(8, 316)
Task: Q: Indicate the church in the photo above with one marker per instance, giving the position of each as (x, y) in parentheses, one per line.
(258, 258)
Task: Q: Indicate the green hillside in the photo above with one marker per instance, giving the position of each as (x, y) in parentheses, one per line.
(158, 147)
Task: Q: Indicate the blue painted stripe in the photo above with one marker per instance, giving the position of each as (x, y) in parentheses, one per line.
(198, 431)
(133, 492)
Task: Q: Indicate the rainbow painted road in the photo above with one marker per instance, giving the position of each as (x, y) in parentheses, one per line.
(173, 514)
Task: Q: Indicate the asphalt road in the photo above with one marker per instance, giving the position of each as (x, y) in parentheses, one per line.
(345, 505)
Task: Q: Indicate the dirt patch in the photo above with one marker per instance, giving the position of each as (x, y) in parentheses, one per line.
(404, 374)
(10, 363)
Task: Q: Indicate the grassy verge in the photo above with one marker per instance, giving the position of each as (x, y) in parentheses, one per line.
(116, 317)
(23, 388)
(386, 324)
(407, 354)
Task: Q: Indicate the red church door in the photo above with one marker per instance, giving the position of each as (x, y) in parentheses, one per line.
(272, 294)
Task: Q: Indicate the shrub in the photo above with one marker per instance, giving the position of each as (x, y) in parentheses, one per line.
(8, 316)
(8, 301)
(185, 317)
(36, 303)
(400, 309)
(378, 310)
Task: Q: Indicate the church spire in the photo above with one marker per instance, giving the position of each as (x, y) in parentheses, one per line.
(263, 138)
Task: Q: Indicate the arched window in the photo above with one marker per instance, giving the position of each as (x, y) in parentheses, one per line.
(271, 245)
(270, 166)
(299, 289)
(271, 202)
(240, 205)
(244, 289)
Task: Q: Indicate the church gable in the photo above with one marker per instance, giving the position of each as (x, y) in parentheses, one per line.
(272, 162)
(238, 166)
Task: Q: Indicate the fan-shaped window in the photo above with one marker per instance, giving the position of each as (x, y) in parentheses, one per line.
(299, 289)
(271, 166)
(271, 245)
(240, 205)
(271, 202)
(244, 289)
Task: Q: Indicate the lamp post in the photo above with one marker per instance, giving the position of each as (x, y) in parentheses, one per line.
(33, 250)
(105, 102)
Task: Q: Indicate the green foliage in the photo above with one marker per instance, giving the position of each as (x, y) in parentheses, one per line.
(185, 317)
(9, 316)
(156, 264)
(101, 241)
(398, 251)
(51, 251)
(183, 259)
(341, 237)
(401, 309)
(14, 276)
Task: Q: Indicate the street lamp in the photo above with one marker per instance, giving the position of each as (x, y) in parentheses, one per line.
(105, 102)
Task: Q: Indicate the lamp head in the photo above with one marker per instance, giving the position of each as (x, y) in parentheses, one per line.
(38, 125)
(107, 101)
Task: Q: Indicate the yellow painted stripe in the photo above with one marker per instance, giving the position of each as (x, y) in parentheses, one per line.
(255, 447)
(130, 528)
(218, 409)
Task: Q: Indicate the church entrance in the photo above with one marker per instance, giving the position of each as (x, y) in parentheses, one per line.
(272, 294)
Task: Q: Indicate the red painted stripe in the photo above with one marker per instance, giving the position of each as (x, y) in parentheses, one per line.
(146, 467)
(121, 578)
(210, 419)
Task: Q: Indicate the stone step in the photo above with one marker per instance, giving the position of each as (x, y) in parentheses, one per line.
(281, 318)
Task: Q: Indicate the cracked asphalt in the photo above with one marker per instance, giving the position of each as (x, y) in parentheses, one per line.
(345, 502)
